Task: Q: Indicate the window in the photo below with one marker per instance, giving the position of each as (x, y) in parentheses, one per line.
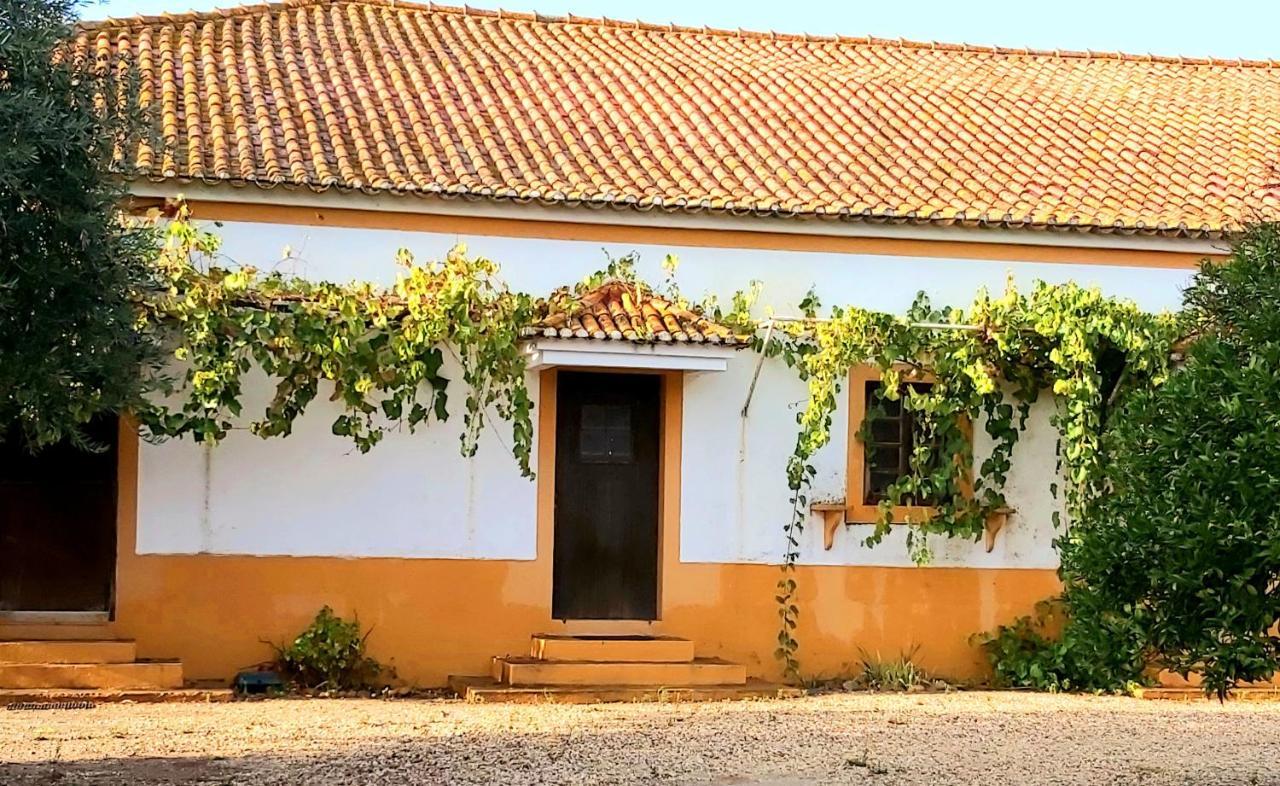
(889, 439)
(879, 453)
(605, 435)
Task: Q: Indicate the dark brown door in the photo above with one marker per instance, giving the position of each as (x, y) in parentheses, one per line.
(58, 525)
(606, 524)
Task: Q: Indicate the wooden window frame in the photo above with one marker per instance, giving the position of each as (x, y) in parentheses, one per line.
(857, 511)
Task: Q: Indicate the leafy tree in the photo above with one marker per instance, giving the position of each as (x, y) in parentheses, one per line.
(69, 347)
(1178, 565)
(1188, 541)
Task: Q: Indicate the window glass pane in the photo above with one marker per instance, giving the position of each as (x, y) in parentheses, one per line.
(891, 440)
(886, 431)
(605, 434)
(878, 485)
(884, 458)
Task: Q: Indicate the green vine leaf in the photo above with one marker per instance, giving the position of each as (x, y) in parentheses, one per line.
(381, 351)
(987, 364)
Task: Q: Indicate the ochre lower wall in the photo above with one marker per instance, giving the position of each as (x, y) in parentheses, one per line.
(432, 618)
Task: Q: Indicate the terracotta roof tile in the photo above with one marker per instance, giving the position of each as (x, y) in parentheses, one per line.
(382, 97)
(620, 311)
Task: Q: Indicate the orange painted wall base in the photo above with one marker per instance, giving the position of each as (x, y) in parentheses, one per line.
(433, 618)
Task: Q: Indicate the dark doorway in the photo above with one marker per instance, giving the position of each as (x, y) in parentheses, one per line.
(58, 524)
(606, 521)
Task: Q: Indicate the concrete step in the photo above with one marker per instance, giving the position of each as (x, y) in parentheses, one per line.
(612, 649)
(143, 675)
(517, 672)
(485, 690)
(68, 651)
(59, 698)
(1269, 693)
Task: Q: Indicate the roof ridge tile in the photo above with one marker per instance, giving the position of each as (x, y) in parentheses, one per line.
(602, 21)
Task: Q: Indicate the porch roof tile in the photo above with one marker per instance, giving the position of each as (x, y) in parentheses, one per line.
(626, 311)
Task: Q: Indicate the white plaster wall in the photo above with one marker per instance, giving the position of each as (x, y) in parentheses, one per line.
(415, 496)
(735, 501)
(314, 494)
(888, 283)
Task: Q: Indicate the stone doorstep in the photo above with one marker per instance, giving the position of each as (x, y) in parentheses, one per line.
(68, 651)
(486, 690)
(137, 675)
(611, 649)
(518, 672)
(38, 697)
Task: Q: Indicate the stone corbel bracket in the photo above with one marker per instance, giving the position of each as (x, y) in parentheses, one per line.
(833, 516)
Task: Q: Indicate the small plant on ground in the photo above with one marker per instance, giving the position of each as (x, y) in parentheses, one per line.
(1101, 653)
(329, 654)
(899, 674)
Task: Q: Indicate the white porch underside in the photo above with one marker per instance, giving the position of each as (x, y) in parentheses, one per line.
(596, 353)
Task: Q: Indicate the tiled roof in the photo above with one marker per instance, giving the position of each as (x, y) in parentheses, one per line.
(393, 97)
(620, 311)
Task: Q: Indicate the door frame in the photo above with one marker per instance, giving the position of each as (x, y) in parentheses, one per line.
(670, 425)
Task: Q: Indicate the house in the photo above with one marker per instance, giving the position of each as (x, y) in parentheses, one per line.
(866, 169)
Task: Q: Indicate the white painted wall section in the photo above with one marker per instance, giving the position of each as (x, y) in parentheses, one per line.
(735, 501)
(415, 496)
(315, 494)
(537, 266)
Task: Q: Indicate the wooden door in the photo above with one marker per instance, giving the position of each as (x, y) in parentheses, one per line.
(606, 504)
(58, 525)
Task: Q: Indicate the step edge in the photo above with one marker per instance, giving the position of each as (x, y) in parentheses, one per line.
(526, 660)
(613, 639)
(93, 664)
(55, 642)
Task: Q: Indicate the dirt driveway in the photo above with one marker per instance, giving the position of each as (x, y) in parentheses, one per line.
(969, 738)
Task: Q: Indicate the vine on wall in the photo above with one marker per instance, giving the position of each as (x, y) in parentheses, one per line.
(380, 350)
(988, 364)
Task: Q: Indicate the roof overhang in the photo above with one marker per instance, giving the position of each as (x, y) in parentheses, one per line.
(595, 353)
(589, 214)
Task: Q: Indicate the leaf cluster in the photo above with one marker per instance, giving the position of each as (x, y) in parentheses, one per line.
(987, 365)
(69, 345)
(377, 352)
(329, 654)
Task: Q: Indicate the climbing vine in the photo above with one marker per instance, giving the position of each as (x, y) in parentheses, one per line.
(987, 364)
(378, 352)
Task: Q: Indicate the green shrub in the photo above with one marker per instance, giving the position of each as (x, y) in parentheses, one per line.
(1177, 565)
(1187, 543)
(70, 344)
(1051, 652)
(329, 654)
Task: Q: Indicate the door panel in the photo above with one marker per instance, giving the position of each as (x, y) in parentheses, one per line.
(606, 504)
(58, 525)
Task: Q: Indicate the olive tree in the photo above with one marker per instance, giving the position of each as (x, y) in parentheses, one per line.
(69, 345)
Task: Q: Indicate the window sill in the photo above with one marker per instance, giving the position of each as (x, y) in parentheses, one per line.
(836, 514)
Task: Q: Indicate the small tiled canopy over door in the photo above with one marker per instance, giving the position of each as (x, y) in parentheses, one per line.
(58, 524)
(606, 504)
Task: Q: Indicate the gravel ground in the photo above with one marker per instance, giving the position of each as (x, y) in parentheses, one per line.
(934, 739)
